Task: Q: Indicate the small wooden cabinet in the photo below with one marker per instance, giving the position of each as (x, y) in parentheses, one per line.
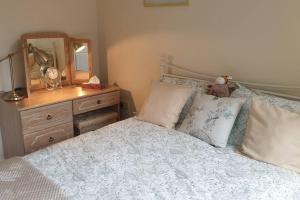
(47, 118)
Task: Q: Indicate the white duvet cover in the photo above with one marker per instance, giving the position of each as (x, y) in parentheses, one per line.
(138, 160)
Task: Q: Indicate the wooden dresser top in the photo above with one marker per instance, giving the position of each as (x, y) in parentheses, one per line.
(44, 97)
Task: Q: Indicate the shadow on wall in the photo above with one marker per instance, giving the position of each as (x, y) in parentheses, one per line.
(128, 108)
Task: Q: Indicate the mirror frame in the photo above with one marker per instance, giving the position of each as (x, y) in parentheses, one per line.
(72, 63)
(41, 35)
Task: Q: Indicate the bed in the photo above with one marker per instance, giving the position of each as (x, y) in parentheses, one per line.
(132, 159)
(137, 160)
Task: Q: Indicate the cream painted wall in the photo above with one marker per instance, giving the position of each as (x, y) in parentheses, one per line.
(257, 40)
(75, 17)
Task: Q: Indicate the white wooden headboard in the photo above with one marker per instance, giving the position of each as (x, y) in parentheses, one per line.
(286, 91)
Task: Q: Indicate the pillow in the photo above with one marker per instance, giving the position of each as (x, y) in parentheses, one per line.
(199, 86)
(273, 136)
(239, 128)
(290, 105)
(196, 84)
(164, 104)
(211, 119)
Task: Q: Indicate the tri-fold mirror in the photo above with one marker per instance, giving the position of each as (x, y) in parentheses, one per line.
(54, 60)
(81, 60)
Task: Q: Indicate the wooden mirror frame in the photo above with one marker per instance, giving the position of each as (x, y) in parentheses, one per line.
(72, 63)
(44, 35)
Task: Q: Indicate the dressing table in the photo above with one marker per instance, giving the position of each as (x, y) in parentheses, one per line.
(47, 117)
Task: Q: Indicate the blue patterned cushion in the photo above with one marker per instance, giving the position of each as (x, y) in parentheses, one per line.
(239, 128)
(211, 119)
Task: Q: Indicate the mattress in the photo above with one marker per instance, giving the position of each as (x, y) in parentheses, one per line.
(138, 160)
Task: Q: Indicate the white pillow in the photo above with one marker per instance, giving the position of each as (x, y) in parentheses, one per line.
(164, 104)
(273, 135)
(199, 86)
(239, 129)
(211, 119)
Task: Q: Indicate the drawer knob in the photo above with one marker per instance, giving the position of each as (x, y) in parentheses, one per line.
(99, 102)
(51, 139)
(49, 117)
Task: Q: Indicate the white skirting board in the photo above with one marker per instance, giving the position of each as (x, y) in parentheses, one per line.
(1, 148)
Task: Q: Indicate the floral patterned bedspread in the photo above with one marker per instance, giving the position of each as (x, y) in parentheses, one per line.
(138, 160)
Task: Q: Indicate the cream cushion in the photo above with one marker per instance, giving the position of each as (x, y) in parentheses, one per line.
(273, 136)
(164, 104)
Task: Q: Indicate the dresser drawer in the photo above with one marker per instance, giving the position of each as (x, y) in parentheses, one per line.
(44, 138)
(95, 102)
(45, 117)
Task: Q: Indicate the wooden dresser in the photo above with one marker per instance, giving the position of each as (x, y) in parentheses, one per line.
(47, 117)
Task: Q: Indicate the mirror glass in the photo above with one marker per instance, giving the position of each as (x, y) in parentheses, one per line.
(43, 54)
(81, 60)
(46, 60)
